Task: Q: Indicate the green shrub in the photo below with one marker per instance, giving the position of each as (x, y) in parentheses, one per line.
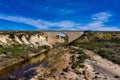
(105, 54)
(78, 72)
(81, 66)
(11, 35)
(74, 65)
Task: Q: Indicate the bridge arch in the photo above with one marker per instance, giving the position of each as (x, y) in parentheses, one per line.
(63, 35)
(71, 35)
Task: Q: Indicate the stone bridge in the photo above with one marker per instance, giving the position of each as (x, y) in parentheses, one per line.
(71, 35)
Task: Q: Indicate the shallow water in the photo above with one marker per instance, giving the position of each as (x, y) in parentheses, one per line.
(23, 70)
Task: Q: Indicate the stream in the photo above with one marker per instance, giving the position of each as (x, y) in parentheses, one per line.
(25, 69)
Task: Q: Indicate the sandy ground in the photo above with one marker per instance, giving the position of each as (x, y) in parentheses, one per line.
(107, 68)
(58, 61)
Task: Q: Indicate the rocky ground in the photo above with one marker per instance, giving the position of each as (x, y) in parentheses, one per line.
(70, 63)
(109, 70)
(60, 66)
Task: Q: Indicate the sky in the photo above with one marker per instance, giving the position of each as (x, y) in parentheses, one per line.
(93, 15)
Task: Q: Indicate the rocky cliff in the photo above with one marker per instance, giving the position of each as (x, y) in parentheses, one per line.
(28, 38)
(20, 45)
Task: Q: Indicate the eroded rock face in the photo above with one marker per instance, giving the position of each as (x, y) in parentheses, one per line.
(5, 39)
(34, 39)
(16, 46)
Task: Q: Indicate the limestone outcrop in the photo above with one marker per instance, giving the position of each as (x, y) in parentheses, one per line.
(28, 38)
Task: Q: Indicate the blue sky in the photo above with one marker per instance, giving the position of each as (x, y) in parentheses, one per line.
(96, 15)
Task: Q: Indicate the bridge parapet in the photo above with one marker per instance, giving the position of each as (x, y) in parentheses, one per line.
(71, 35)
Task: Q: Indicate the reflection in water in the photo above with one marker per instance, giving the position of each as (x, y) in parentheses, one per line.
(24, 69)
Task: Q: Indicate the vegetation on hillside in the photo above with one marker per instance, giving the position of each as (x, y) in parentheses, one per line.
(99, 37)
(13, 53)
(20, 32)
(106, 44)
(78, 62)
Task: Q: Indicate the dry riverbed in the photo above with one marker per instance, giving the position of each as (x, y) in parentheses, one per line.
(71, 63)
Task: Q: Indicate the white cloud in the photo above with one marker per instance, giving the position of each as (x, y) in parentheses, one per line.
(66, 24)
(40, 24)
(97, 23)
(37, 23)
(102, 16)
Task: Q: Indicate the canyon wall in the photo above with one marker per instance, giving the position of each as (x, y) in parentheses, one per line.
(28, 38)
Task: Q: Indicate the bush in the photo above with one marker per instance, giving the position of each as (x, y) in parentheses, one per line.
(117, 76)
(74, 65)
(81, 66)
(78, 72)
(105, 54)
(43, 47)
(17, 50)
(11, 35)
(82, 56)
